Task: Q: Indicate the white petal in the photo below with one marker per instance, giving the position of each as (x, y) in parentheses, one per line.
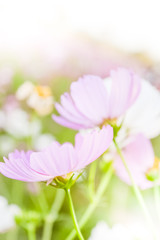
(144, 115)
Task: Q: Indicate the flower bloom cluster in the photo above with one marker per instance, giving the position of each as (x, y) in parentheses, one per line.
(111, 109)
(94, 102)
(118, 100)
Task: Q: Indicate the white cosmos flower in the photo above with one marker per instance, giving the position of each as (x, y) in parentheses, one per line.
(120, 232)
(144, 115)
(7, 215)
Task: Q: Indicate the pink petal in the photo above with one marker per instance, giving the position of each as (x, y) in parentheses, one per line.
(17, 167)
(139, 156)
(68, 104)
(66, 123)
(124, 91)
(90, 98)
(92, 145)
(71, 116)
(55, 160)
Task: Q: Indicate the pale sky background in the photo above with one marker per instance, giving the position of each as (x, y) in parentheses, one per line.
(131, 25)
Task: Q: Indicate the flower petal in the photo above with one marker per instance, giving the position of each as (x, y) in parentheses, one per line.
(90, 97)
(55, 160)
(17, 167)
(92, 145)
(66, 123)
(86, 106)
(68, 111)
(144, 114)
(124, 91)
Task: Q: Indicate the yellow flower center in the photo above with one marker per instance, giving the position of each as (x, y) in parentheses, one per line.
(109, 121)
(66, 176)
(43, 91)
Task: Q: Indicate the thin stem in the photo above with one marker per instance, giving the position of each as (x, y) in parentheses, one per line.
(42, 201)
(91, 182)
(31, 232)
(157, 199)
(136, 190)
(53, 215)
(101, 189)
(79, 234)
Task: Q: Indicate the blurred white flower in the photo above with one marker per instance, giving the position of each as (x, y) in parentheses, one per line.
(7, 215)
(37, 97)
(119, 231)
(43, 141)
(7, 144)
(18, 124)
(25, 90)
(42, 105)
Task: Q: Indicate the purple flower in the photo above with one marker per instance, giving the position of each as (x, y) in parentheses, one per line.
(57, 160)
(91, 101)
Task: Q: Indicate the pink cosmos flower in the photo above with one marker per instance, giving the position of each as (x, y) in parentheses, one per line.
(57, 160)
(90, 102)
(140, 158)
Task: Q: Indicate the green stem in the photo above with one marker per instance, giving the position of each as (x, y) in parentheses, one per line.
(31, 232)
(93, 205)
(42, 201)
(53, 215)
(79, 234)
(136, 191)
(91, 183)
